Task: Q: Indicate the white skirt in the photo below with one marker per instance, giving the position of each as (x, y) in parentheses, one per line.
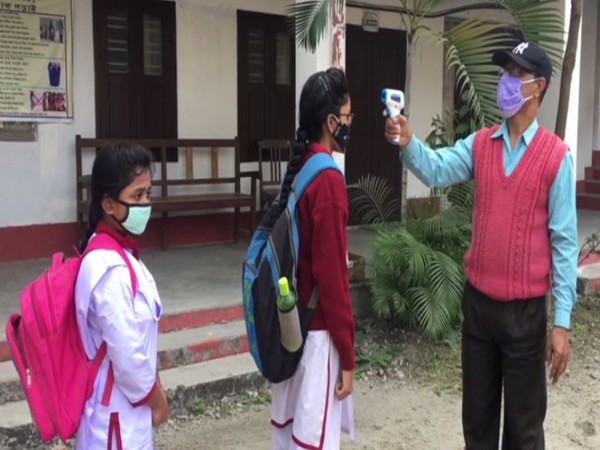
(305, 413)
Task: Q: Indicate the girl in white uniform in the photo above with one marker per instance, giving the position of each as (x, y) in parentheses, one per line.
(128, 399)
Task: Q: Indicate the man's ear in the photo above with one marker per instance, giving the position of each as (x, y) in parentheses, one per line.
(541, 83)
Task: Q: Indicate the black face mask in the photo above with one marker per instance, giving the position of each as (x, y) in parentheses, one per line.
(342, 135)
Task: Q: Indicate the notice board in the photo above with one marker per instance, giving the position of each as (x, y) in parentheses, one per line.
(36, 60)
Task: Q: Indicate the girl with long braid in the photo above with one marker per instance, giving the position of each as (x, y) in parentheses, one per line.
(128, 398)
(309, 409)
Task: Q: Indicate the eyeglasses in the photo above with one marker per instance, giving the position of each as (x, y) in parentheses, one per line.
(514, 71)
(350, 117)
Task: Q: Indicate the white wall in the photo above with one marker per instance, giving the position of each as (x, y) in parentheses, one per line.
(37, 182)
(581, 131)
(37, 179)
(207, 64)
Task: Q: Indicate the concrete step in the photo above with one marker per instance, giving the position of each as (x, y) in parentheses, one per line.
(177, 321)
(588, 201)
(588, 274)
(206, 381)
(588, 279)
(596, 158)
(591, 187)
(592, 173)
(175, 349)
(201, 344)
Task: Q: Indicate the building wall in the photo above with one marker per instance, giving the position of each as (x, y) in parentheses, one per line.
(37, 179)
(584, 89)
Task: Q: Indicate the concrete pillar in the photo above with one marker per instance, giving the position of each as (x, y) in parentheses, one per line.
(330, 52)
(596, 134)
(572, 137)
(338, 21)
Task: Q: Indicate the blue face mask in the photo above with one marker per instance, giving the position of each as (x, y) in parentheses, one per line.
(137, 217)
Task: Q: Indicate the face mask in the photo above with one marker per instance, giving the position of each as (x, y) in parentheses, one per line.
(510, 99)
(342, 135)
(137, 217)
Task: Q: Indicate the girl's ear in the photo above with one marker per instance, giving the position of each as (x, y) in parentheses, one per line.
(108, 205)
(331, 123)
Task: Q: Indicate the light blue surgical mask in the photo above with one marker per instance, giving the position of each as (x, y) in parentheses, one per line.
(137, 217)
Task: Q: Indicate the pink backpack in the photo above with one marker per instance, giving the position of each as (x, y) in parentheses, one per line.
(46, 347)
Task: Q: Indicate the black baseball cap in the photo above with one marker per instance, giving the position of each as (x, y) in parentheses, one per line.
(528, 56)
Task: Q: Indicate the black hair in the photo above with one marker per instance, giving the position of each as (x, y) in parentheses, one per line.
(115, 167)
(543, 94)
(324, 93)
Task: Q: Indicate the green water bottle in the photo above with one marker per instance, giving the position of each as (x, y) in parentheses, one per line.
(289, 319)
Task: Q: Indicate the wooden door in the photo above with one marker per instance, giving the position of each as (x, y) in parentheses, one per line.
(373, 61)
(266, 81)
(136, 69)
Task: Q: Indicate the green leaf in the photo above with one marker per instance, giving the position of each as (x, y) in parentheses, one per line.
(372, 200)
(309, 20)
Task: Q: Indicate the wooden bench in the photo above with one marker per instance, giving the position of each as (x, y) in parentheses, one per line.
(165, 201)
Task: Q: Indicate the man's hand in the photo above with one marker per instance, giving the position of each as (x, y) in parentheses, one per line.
(559, 349)
(397, 131)
(344, 388)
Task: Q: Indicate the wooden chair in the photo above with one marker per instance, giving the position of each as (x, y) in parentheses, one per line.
(273, 155)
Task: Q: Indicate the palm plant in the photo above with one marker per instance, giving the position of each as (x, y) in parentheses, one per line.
(414, 284)
(371, 199)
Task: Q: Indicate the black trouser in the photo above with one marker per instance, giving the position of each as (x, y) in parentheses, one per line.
(503, 343)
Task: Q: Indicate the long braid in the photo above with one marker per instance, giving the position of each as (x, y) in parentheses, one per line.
(298, 151)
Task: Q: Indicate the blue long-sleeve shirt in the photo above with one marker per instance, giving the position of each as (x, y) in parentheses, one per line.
(452, 165)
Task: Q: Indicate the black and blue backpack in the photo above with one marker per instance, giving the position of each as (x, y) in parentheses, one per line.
(273, 253)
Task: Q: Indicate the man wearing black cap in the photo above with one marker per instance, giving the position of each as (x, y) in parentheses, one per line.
(524, 230)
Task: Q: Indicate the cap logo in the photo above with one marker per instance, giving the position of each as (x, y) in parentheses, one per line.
(519, 49)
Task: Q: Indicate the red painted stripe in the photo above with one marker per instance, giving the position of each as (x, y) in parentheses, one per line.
(41, 241)
(200, 318)
(282, 425)
(592, 258)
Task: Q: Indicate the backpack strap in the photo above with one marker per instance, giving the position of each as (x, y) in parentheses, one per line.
(311, 169)
(103, 241)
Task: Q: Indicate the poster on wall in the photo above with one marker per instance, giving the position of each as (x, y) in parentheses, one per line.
(36, 60)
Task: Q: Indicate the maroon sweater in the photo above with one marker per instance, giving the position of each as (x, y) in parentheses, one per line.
(322, 217)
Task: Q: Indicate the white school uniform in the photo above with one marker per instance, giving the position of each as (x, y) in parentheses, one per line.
(305, 413)
(107, 312)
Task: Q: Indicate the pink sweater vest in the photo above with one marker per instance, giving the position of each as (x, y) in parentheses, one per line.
(510, 256)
